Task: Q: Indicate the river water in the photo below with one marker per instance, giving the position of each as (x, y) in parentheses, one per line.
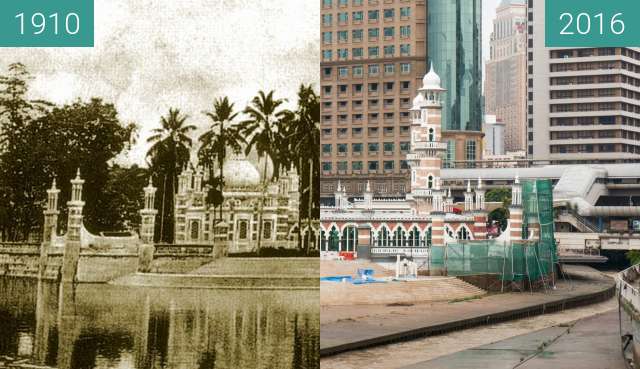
(98, 326)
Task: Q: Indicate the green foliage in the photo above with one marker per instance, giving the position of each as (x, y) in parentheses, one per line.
(502, 195)
(633, 256)
(41, 142)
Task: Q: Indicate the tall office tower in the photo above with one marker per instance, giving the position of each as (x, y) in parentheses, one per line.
(505, 87)
(583, 103)
(373, 57)
(455, 48)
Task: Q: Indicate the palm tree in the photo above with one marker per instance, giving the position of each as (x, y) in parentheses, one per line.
(220, 136)
(304, 142)
(170, 151)
(263, 128)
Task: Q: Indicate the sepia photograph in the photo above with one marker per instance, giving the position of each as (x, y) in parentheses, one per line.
(159, 190)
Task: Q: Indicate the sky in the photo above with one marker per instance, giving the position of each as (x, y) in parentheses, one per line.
(150, 56)
(153, 55)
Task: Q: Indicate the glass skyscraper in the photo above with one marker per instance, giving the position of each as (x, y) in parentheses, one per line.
(454, 47)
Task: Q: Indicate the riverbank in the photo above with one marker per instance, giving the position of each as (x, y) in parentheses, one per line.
(346, 328)
(235, 273)
(406, 353)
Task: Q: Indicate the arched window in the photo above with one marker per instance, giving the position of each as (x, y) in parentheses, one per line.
(463, 234)
(242, 229)
(430, 181)
(349, 238)
(334, 239)
(398, 237)
(428, 237)
(414, 237)
(383, 237)
(432, 135)
(195, 230)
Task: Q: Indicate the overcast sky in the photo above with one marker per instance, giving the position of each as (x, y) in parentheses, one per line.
(153, 55)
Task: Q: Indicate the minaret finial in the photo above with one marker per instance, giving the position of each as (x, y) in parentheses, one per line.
(469, 185)
(479, 183)
(78, 173)
(53, 184)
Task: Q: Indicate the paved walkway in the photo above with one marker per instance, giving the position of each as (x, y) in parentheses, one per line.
(591, 343)
(345, 328)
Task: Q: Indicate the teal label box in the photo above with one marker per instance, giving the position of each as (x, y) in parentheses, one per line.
(592, 23)
(46, 23)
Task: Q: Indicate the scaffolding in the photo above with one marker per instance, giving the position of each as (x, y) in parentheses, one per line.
(517, 263)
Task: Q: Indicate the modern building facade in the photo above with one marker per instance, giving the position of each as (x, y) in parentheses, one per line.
(455, 49)
(583, 104)
(505, 85)
(494, 132)
(373, 58)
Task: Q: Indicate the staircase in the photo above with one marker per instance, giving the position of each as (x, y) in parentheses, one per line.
(581, 223)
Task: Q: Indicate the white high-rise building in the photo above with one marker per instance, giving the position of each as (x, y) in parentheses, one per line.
(583, 104)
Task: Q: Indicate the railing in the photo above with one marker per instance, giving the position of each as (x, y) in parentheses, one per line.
(625, 282)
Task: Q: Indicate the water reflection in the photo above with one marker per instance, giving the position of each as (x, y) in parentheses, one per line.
(101, 326)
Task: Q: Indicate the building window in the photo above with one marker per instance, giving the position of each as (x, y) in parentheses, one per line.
(343, 17)
(405, 12)
(405, 49)
(326, 37)
(343, 2)
(374, 33)
(374, 14)
(374, 52)
(327, 55)
(404, 164)
(357, 70)
(388, 147)
(373, 148)
(389, 50)
(405, 31)
(242, 230)
(356, 35)
(470, 150)
(356, 147)
(356, 165)
(357, 2)
(195, 230)
(267, 229)
(432, 135)
(327, 19)
(342, 149)
(389, 68)
(342, 166)
(430, 181)
(343, 72)
(388, 165)
(343, 36)
(451, 154)
(373, 166)
(388, 31)
(374, 69)
(326, 148)
(404, 147)
(405, 68)
(389, 13)
(357, 52)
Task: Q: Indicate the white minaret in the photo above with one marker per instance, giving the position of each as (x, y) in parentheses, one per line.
(480, 196)
(148, 214)
(468, 198)
(426, 153)
(368, 197)
(51, 214)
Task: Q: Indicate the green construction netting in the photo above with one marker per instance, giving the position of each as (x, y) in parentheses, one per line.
(515, 261)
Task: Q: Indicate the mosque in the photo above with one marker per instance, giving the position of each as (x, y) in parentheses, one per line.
(425, 216)
(243, 189)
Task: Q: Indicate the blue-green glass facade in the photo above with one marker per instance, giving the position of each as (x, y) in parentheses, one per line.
(455, 48)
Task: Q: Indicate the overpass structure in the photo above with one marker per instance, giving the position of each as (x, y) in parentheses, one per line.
(596, 207)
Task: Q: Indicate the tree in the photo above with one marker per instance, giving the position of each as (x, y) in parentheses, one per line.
(500, 215)
(123, 190)
(265, 117)
(303, 135)
(169, 152)
(214, 143)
